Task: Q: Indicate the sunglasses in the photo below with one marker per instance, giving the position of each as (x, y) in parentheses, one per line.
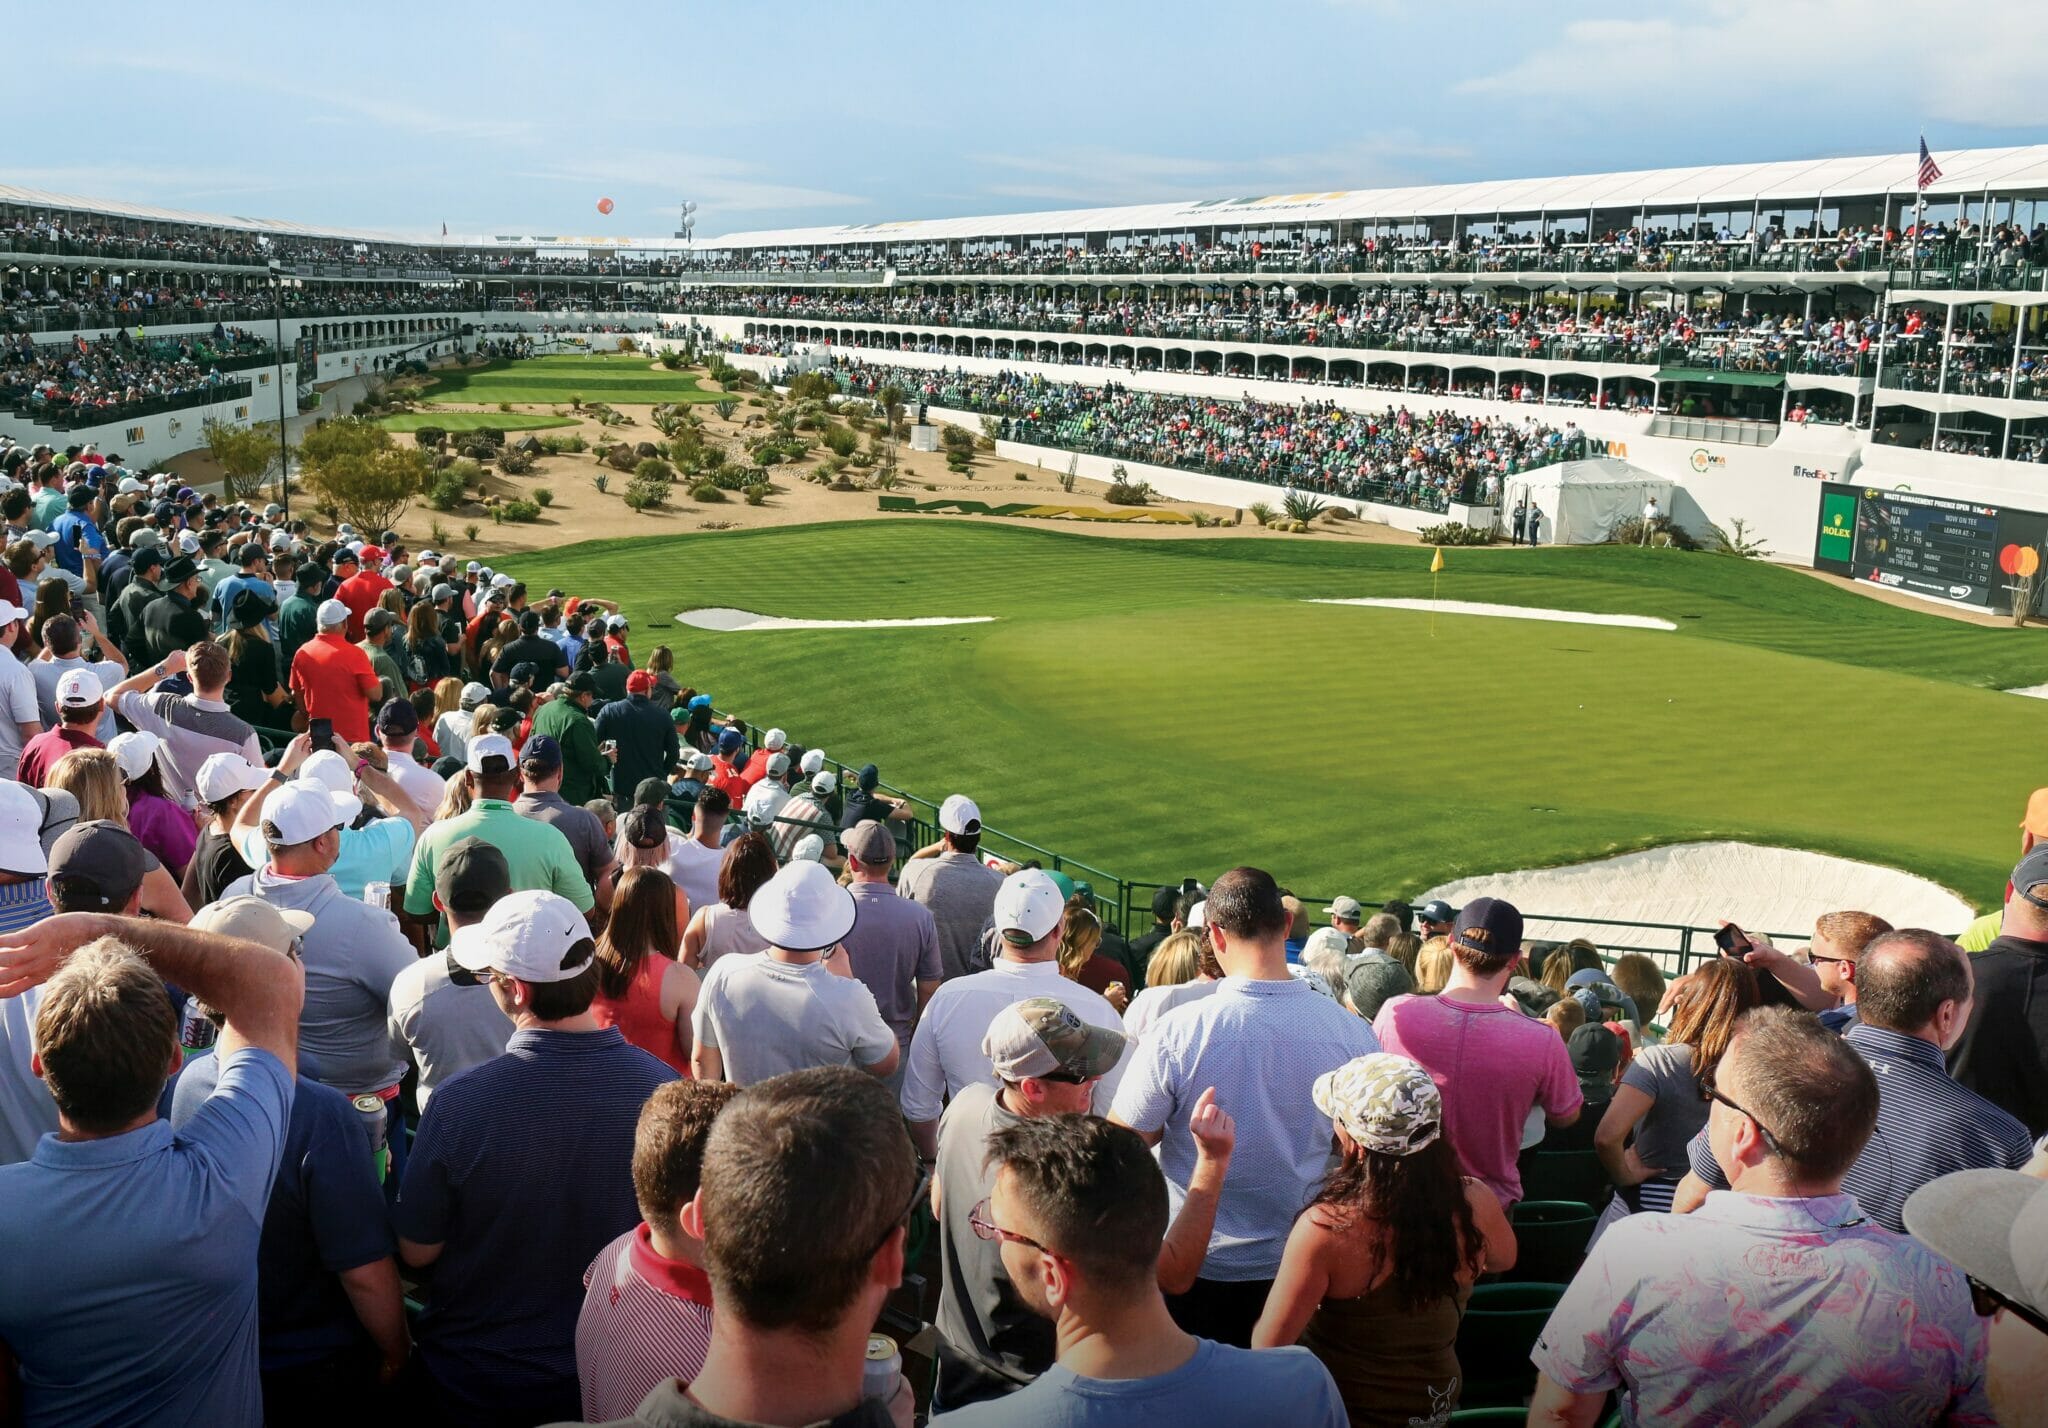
(1770, 1141)
(1988, 1301)
(920, 1190)
(981, 1219)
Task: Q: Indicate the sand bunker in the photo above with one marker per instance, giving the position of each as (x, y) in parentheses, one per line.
(1773, 890)
(1512, 612)
(2032, 691)
(726, 621)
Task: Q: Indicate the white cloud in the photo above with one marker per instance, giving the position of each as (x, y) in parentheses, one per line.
(1964, 62)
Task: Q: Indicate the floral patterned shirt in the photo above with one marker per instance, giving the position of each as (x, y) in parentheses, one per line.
(1758, 1311)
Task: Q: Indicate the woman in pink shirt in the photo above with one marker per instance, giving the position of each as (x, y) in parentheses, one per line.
(159, 824)
(641, 988)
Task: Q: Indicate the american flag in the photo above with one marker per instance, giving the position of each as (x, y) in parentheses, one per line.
(1929, 170)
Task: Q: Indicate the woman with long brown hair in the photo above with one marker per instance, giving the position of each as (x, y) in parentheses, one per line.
(724, 926)
(1662, 1097)
(1378, 1267)
(1080, 935)
(641, 988)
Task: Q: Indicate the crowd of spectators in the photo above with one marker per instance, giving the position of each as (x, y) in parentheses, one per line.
(79, 382)
(1421, 459)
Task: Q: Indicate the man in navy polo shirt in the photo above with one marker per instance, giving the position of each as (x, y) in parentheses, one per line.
(522, 1171)
(130, 1250)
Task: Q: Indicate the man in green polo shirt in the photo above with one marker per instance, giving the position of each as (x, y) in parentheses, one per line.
(539, 857)
(585, 774)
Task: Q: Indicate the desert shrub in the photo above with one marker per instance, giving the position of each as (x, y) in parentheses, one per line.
(1300, 506)
(543, 495)
(862, 458)
(653, 468)
(430, 437)
(479, 450)
(448, 491)
(643, 494)
(767, 454)
(504, 406)
(560, 445)
(489, 435)
(523, 511)
(811, 387)
(1264, 514)
(840, 441)
(883, 480)
(708, 492)
(1662, 533)
(758, 493)
(627, 344)
(1125, 492)
(603, 481)
(956, 438)
(725, 407)
(1454, 533)
(621, 457)
(514, 462)
(437, 533)
(471, 531)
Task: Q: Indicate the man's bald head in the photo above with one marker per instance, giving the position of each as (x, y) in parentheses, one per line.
(1906, 978)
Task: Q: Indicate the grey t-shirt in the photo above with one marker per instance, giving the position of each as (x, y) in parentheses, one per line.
(765, 1017)
(894, 945)
(980, 1312)
(46, 673)
(960, 890)
(444, 1027)
(1664, 1073)
(574, 822)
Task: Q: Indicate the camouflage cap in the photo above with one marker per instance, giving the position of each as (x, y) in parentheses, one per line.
(1386, 1103)
(1043, 1037)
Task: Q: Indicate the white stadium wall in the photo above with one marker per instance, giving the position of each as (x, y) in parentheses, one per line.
(149, 440)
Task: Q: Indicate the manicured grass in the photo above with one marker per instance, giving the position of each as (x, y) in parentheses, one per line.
(1165, 708)
(470, 421)
(614, 378)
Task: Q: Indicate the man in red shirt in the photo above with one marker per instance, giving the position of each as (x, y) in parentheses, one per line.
(80, 701)
(772, 743)
(332, 678)
(615, 639)
(361, 591)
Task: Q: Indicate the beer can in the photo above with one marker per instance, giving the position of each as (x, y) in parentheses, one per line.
(196, 1031)
(883, 1368)
(370, 1106)
(377, 895)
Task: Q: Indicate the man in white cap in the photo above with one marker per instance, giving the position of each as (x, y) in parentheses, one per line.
(950, 879)
(80, 704)
(352, 951)
(773, 742)
(373, 850)
(522, 1171)
(20, 719)
(539, 856)
(333, 679)
(763, 1013)
(615, 639)
(1046, 1061)
(946, 1054)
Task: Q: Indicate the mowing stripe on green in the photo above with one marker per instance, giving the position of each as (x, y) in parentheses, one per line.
(557, 380)
(1160, 708)
(471, 421)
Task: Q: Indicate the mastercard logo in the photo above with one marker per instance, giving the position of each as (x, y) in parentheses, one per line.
(2021, 560)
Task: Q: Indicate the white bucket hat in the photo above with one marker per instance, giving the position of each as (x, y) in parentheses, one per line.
(802, 909)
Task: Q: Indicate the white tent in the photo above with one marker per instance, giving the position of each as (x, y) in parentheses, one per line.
(1583, 501)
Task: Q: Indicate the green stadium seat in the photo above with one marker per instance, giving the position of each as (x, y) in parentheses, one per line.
(1494, 1339)
(1565, 1175)
(1551, 1236)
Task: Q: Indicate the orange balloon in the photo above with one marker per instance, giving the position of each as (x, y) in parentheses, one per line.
(2030, 560)
(604, 205)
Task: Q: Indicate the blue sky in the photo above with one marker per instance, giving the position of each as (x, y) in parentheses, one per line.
(514, 117)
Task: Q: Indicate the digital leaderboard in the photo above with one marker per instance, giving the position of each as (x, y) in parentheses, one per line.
(1962, 551)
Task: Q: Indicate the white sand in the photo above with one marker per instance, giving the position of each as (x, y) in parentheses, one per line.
(1772, 890)
(726, 620)
(1512, 612)
(2032, 691)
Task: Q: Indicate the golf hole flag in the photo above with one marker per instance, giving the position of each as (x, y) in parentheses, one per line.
(1436, 565)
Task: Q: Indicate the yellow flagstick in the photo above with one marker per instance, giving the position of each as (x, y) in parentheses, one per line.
(1436, 569)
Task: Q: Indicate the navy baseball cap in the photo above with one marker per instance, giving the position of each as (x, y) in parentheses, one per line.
(730, 742)
(1490, 927)
(398, 716)
(541, 754)
(1437, 910)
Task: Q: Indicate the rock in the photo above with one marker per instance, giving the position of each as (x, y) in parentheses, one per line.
(646, 449)
(530, 445)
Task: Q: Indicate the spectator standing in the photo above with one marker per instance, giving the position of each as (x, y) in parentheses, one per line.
(20, 719)
(2002, 1053)
(641, 988)
(893, 947)
(1080, 1211)
(539, 856)
(443, 1018)
(806, 1186)
(1182, 969)
(333, 679)
(1378, 1268)
(696, 863)
(946, 1054)
(225, 783)
(330, 1310)
(131, 1251)
(124, 616)
(955, 885)
(646, 1312)
(172, 621)
(1749, 1310)
(398, 734)
(195, 726)
(361, 591)
(541, 773)
(722, 928)
(522, 1172)
(1257, 1040)
(63, 640)
(1492, 1064)
(765, 1013)
(80, 704)
(379, 628)
(566, 720)
(298, 618)
(452, 728)
(164, 828)
(1916, 989)
(644, 738)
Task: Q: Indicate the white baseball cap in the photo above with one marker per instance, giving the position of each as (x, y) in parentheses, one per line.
(1198, 916)
(223, 776)
(619, 622)
(79, 689)
(696, 761)
(344, 529)
(1029, 902)
(533, 935)
(10, 612)
(300, 812)
(21, 822)
(134, 752)
(472, 568)
(802, 908)
(824, 783)
(814, 759)
(502, 582)
(331, 615)
(809, 849)
(778, 764)
(332, 772)
(188, 542)
(764, 801)
(773, 740)
(490, 746)
(960, 814)
(41, 540)
(280, 540)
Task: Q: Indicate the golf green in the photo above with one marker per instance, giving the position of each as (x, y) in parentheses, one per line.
(613, 378)
(1160, 708)
(470, 421)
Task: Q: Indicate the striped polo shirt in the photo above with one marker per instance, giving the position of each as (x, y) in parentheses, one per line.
(1928, 1126)
(23, 904)
(644, 1319)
